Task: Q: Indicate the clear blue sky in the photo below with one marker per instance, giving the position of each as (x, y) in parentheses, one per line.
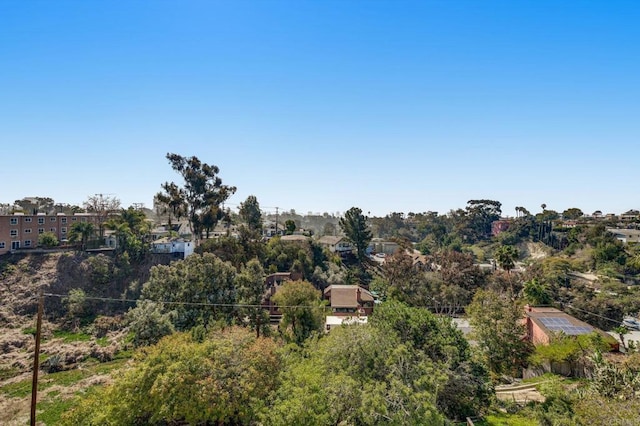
(324, 105)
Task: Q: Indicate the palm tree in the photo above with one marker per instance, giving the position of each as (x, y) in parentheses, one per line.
(122, 232)
(536, 293)
(81, 231)
(506, 257)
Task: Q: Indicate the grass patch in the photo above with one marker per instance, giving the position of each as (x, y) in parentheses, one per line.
(108, 367)
(49, 412)
(128, 354)
(550, 378)
(102, 341)
(62, 378)
(8, 372)
(17, 389)
(544, 378)
(29, 330)
(69, 337)
(53, 407)
(504, 419)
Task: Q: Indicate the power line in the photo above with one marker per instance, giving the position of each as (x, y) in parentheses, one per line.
(591, 313)
(203, 304)
(249, 305)
(167, 302)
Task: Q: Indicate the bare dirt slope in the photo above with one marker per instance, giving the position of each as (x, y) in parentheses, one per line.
(21, 279)
(533, 250)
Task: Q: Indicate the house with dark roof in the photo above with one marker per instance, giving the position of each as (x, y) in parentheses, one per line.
(349, 300)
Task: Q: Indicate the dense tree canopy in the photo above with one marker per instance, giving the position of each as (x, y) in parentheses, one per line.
(131, 229)
(499, 330)
(302, 310)
(170, 202)
(480, 215)
(405, 367)
(290, 256)
(404, 282)
(355, 227)
(223, 379)
(572, 213)
(344, 380)
(250, 213)
(198, 290)
(202, 192)
(251, 289)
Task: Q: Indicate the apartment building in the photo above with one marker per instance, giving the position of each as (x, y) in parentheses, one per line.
(19, 230)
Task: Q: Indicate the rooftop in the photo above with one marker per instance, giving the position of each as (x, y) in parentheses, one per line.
(346, 296)
(553, 320)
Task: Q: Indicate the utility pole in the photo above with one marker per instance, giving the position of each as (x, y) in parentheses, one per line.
(36, 359)
(276, 221)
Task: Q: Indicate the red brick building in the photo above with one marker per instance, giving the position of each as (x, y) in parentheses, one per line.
(499, 226)
(544, 322)
(21, 231)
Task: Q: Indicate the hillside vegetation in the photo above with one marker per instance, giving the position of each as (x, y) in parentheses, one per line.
(135, 338)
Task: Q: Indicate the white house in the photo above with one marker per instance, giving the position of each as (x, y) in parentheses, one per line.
(178, 247)
(336, 244)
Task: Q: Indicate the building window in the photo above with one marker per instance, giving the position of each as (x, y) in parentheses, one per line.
(14, 220)
(53, 219)
(1, 244)
(52, 230)
(63, 230)
(27, 243)
(27, 219)
(40, 220)
(14, 232)
(83, 219)
(27, 231)
(40, 230)
(73, 219)
(63, 220)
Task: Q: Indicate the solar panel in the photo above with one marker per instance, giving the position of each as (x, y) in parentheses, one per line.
(554, 322)
(565, 326)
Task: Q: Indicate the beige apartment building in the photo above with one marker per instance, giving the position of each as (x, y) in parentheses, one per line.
(21, 231)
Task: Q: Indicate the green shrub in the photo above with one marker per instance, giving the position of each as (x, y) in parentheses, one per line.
(48, 240)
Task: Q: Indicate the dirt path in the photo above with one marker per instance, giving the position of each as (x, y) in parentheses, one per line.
(519, 393)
